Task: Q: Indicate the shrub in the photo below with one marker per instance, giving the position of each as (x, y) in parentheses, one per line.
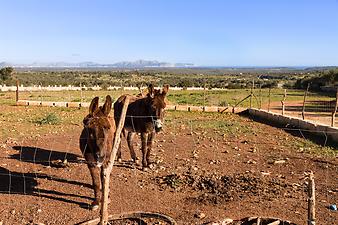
(51, 119)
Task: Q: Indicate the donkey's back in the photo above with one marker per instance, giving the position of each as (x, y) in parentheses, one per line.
(137, 118)
(144, 116)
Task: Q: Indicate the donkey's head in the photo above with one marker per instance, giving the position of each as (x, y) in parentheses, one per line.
(100, 130)
(156, 105)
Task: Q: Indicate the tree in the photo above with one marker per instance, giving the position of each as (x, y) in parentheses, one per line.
(6, 73)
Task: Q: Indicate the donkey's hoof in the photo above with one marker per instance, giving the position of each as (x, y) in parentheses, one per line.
(151, 165)
(137, 162)
(94, 207)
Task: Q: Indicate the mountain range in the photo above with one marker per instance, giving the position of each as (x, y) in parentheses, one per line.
(124, 64)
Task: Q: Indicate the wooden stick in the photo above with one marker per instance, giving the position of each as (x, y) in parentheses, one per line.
(283, 102)
(105, 172)
(311, 201)
(269, 100)
(305, 94)
(253, 86)
(260, 96)
(249, 96)
(17, 91)
(334, 111)
(258, 221)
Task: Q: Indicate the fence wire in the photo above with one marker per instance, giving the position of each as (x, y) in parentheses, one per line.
(206, 167)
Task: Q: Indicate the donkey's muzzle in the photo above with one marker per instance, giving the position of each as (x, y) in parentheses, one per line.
(99, 160)
(158, 125)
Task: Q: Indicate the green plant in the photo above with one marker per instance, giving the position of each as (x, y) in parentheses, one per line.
(51, 119)
(173, 181)
(6, 73)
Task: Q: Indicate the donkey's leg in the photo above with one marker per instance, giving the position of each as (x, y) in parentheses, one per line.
(130, 141)
(144, 138)
(96, 175)
(119, 153)
(150, 142)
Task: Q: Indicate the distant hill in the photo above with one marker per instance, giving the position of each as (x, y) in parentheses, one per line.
(4, 64)
(125, 64)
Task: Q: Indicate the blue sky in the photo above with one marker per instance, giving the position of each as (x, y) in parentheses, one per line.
(204, 32)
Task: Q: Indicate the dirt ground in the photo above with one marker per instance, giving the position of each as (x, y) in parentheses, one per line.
(259, 173)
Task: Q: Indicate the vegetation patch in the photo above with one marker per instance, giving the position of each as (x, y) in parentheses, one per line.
(50, 119)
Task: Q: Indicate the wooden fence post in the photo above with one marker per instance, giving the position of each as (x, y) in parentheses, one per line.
(251, 94)
(269, 100)
(105, 177)
(334, 110)
(305, 94)
(81, 92)
(204, 94)
(311, 201)
(283, 102)
(17, 91)
(260, 96)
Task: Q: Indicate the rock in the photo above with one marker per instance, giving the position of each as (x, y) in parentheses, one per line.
(333, 207)
(251, 161)
(226, 221)
(162, 168)
(265, 173)
(253, 150)
(200, 215)
(13, 212)
(279, 161)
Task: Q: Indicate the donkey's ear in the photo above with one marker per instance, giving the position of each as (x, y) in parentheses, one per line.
(106, 108)
(94, 105)
(165, 89)
(151, 90)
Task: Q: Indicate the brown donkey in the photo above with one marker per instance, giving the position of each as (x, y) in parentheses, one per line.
(145, 116)
(96, 141)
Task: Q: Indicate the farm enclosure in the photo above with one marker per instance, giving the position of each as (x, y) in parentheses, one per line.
(318, 106)
(222, 165)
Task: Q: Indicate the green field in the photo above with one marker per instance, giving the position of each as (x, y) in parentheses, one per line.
(185, 97)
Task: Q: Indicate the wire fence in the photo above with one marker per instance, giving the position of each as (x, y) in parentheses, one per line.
(206, 167)
(319, 107)
(299, 103)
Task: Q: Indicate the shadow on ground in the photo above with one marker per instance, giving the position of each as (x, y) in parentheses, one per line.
(42, 156)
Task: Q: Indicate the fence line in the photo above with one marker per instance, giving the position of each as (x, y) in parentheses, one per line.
(4, 88)
(168, 107)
